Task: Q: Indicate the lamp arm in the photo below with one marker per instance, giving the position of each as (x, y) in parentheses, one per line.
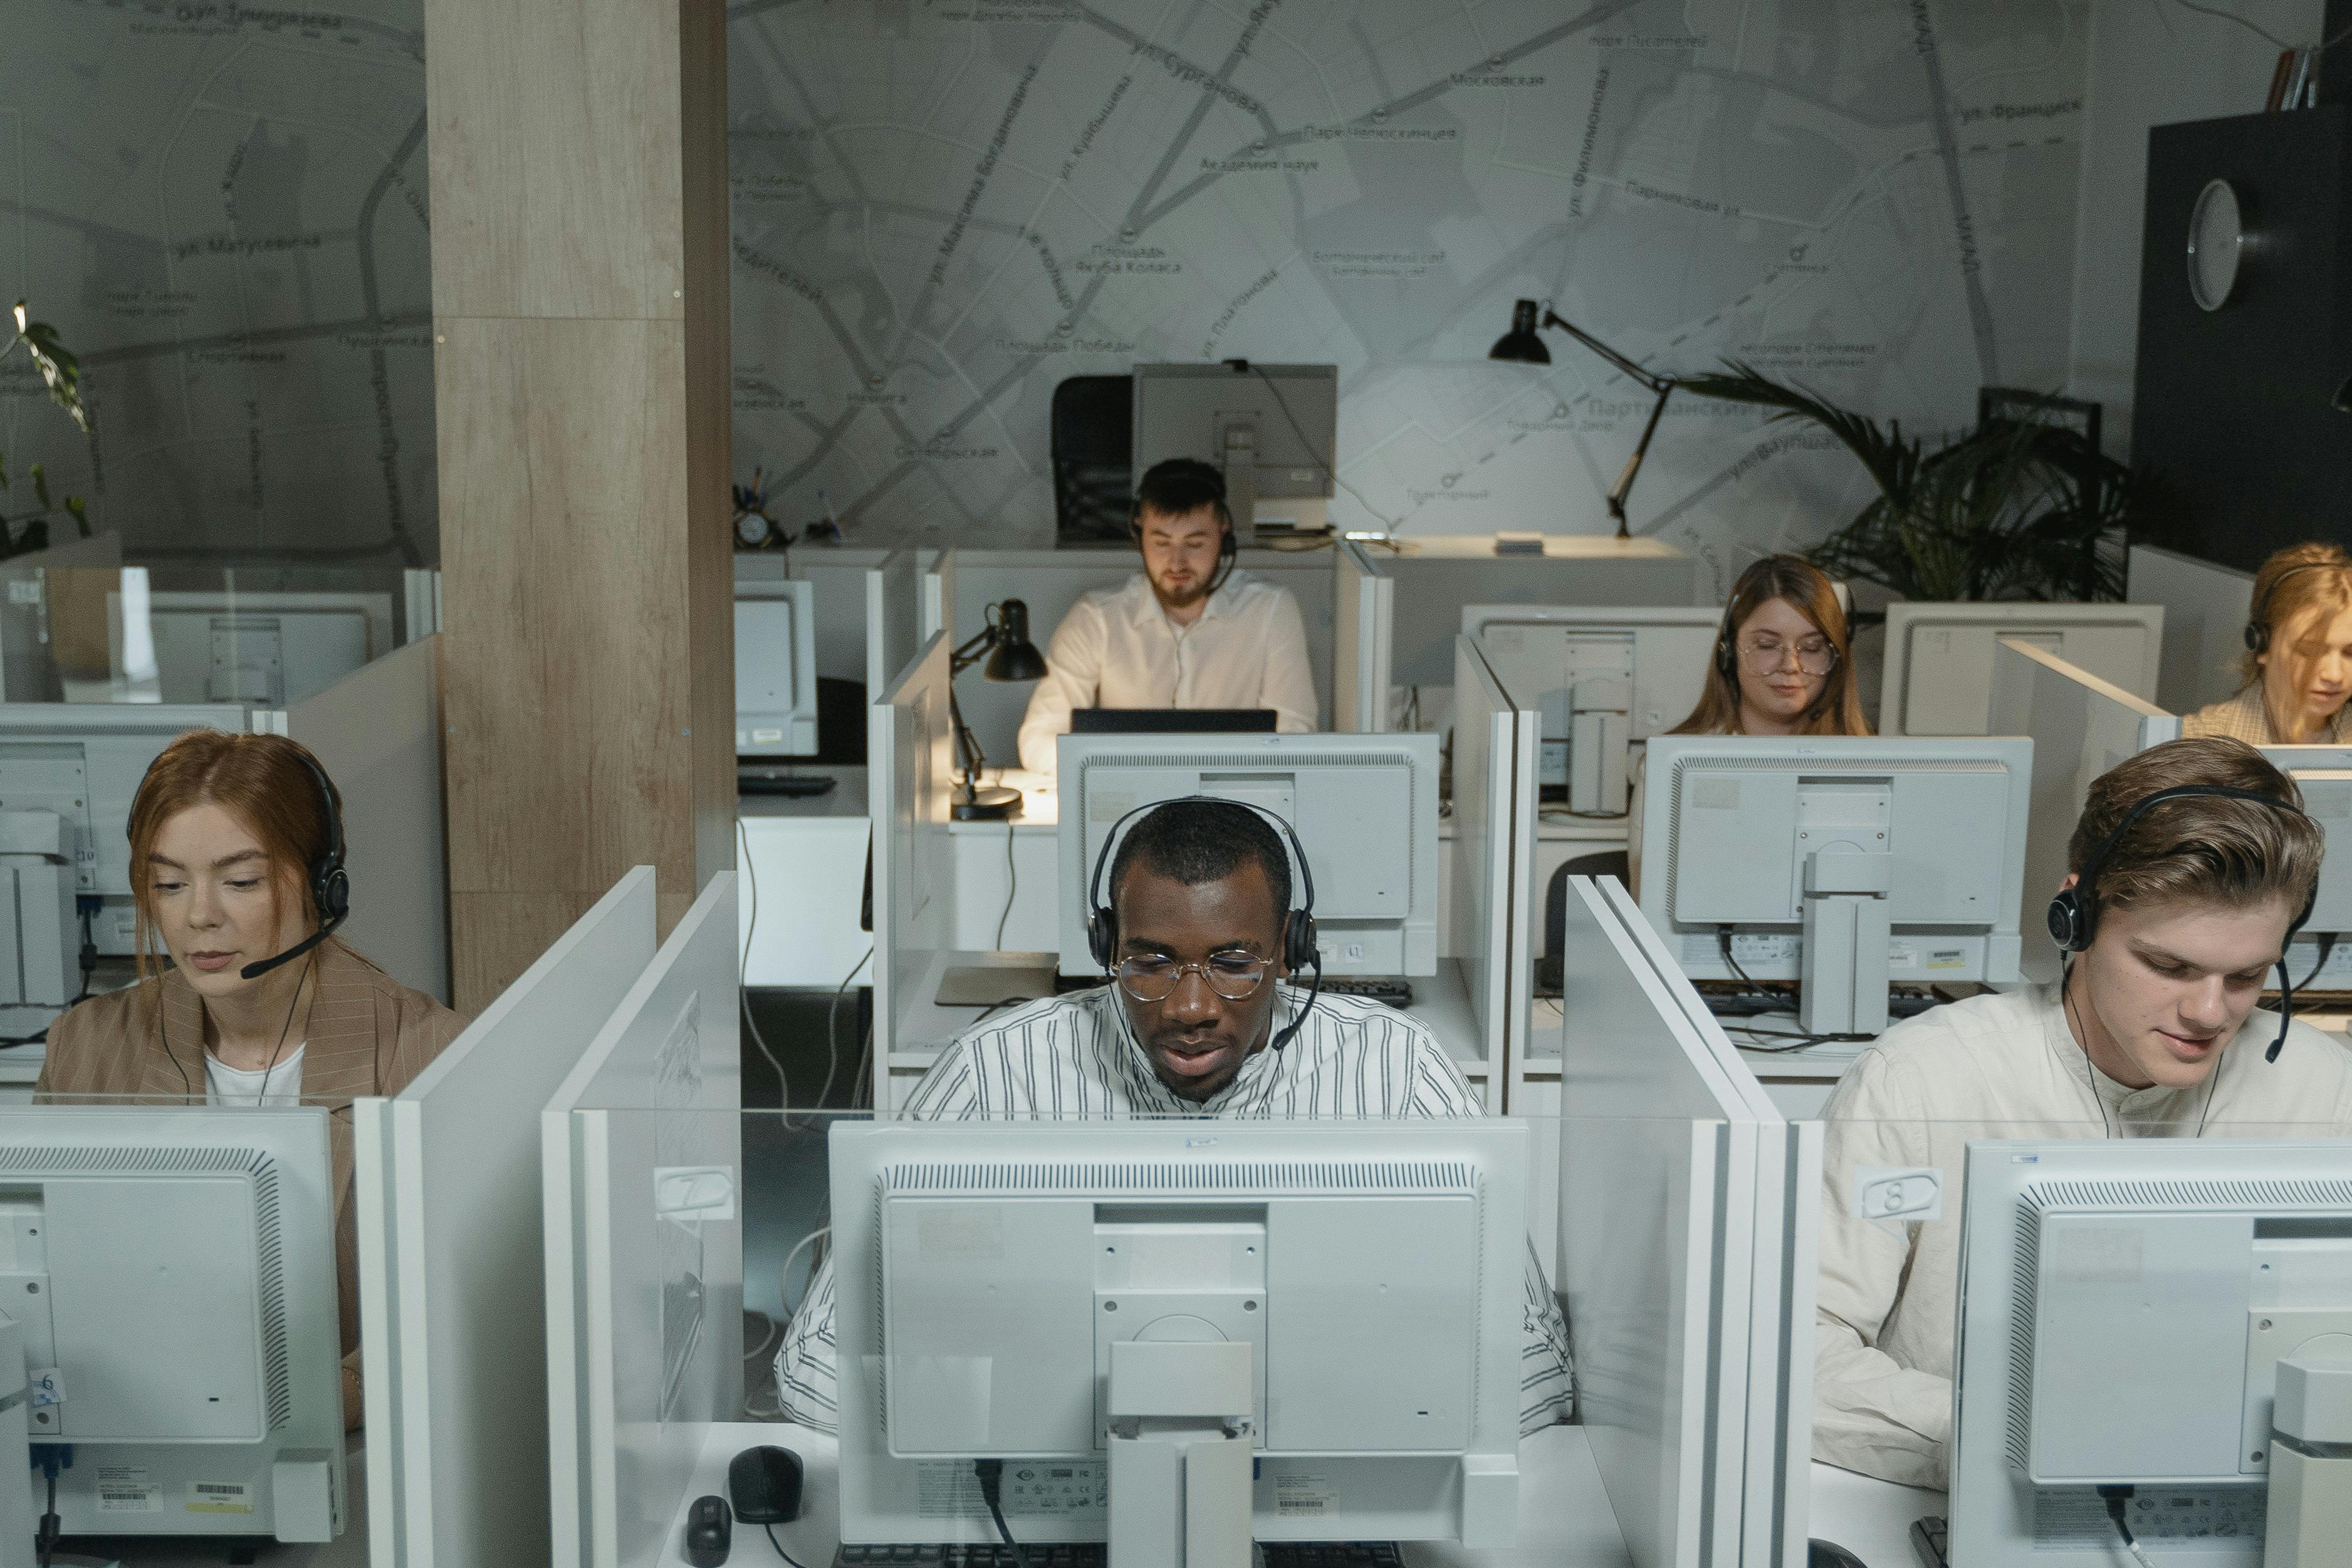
(1649, 378)
(1625, 485)
(975, 759)
(977, 648)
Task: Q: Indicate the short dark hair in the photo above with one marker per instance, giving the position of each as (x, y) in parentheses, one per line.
(2203, 848)
(1197, 841)
(1182, 485)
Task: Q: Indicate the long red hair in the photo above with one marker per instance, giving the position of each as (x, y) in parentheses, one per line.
(265, 781)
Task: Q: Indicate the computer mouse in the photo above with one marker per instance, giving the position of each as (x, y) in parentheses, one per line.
(765, 1483)
(1821, 1553)
(709, 1533)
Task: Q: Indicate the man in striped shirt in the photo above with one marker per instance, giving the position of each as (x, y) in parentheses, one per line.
(1195, 1023)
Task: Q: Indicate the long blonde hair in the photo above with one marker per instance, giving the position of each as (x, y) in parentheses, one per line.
(1837, 711)
(2300, 578)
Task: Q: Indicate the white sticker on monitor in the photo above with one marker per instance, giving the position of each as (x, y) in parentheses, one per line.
(128, 1489)
(1304, 1496)
(219, 1497)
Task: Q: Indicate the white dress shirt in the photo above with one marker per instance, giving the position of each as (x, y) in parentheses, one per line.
(1117, 649)
(1074, 1058)
(2000, 1066)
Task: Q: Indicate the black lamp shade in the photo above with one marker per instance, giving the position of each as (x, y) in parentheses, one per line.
(1015, 657)
(1521, 342)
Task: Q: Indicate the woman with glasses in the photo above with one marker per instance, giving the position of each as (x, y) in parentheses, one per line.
(1782, 666)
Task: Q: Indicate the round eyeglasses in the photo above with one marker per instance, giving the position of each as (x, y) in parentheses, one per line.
(1148, 977)
(1763, 653)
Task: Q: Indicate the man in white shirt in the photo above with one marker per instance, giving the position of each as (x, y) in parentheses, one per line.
(1200, 896)
(1187, 631)
(2186, 905)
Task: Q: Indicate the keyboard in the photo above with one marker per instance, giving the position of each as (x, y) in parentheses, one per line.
(1395, 992)
(1093, 1555)
(776, 781)
(1928, 1539)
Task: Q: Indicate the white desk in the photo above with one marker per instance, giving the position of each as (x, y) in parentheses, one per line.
(804, 878)
(1565, 1521)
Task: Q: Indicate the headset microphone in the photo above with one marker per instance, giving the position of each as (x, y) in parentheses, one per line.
(330, 884)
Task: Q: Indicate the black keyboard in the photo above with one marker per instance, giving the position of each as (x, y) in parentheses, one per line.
(775, 781)
(1395, 992)
(1929, 1537)
(1093, 1555)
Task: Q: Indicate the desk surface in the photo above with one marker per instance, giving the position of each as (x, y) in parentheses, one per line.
(847, 798)
(1565, 1521)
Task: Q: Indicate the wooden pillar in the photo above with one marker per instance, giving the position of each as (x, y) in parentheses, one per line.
(580, 261)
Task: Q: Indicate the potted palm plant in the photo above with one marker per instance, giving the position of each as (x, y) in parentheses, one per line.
(21, 533)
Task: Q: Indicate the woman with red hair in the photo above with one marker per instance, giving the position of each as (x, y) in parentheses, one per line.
(245, 998)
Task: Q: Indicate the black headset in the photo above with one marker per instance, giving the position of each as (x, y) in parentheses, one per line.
(1300, 946)
(1229, 545)
(2074, 914)
(2258, 626)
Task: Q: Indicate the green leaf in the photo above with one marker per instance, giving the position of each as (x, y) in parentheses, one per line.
(61, 370)
(81, 510)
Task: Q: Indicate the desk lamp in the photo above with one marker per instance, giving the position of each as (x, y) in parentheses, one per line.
(1523, 343)
(1005, 642)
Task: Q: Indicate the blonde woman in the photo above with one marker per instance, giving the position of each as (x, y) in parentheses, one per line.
(2296, 670)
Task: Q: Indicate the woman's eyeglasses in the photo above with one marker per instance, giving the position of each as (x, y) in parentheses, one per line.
(1763, 653)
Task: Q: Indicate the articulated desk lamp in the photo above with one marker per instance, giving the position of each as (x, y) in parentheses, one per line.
(1521, 343)
(1012, 656)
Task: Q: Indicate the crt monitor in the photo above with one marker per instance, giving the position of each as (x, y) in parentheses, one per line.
(1364, 807)
(1273, 431)
(1845, 863)
(1334, 1307)
(2124, 1306)
(2322, 949)
(1938, 674)
(775, 668)
(1605, 680)
(176, 1267)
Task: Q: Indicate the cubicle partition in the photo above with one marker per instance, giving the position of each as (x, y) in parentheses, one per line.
(2205, 606)
(1687, 1257)
(939, 598)
(909, 771)
(2082, 726)
(642, 1153)
(894, 618)
(1363, 617)
(377, 732)
(2321, 957)
(452, 1282)
(1494, 861)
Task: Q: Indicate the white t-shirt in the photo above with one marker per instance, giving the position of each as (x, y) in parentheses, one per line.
(225, 1085)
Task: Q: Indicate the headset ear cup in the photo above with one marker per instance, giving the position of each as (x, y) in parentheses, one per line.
(2067, 922)
(1102, 936)
(1300, 946)
(334, 895)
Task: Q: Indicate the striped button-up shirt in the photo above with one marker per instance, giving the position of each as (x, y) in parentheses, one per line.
(1075, 1057)
(2245, 718)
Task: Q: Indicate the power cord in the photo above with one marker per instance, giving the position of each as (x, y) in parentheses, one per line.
(991, 1484)
(1012, 884)
(779, 1546)
(1329, 471)
(2115, 1497)
(51, 1457)
(743, 965)
(832, 1048)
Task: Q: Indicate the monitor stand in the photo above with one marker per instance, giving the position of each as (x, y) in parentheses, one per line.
(1848, 929)
(1182, 1447)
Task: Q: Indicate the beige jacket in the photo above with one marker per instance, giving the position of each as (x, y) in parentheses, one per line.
(1992, 1066)
(2244, 718)
(369, 1035)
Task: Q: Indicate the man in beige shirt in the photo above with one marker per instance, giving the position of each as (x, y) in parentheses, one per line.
(2153, 1033)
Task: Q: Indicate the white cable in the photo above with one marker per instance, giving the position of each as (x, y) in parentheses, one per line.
(744, 971)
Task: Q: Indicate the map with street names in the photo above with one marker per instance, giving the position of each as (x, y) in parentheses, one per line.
(942, 207)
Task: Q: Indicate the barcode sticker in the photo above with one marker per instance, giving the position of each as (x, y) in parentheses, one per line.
(1309, 1495)
(219, 1497)
(130, 1497)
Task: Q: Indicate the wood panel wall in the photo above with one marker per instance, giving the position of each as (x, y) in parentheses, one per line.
(580, 271)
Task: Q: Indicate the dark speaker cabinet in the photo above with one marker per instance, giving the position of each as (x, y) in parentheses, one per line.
(2237, 446)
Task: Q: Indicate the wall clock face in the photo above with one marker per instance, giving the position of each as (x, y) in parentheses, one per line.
(2216, 235)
